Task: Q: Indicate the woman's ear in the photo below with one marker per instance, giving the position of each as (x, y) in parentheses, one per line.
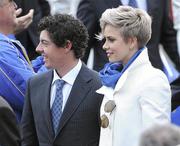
(132, 43)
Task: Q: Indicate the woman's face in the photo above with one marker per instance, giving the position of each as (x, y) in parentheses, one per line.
(115, 46)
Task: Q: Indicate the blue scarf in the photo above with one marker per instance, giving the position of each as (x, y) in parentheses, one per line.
(112, 71)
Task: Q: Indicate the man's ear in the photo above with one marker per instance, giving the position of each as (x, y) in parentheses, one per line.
(68, 45)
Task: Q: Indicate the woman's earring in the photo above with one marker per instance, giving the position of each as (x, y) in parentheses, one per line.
(131, 48)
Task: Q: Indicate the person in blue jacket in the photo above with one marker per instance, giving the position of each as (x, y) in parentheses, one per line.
(15, 66)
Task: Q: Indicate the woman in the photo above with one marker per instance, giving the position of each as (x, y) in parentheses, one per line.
(136, 95)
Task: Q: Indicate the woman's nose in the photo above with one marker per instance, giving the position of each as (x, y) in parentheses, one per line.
(105, 47)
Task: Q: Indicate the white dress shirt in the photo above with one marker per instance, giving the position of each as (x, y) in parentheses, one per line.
(69, 79)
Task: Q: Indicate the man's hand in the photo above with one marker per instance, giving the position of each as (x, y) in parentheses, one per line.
(24, 21)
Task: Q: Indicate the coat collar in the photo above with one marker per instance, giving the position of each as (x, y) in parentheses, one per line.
(140, 60)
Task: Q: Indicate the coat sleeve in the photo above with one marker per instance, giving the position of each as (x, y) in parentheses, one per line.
(155, 101)
(13, 84)
(168, 35)
(9, 133)
(45, 7)
(86, 13)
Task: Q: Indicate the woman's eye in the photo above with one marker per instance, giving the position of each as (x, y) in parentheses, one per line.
(110, 39)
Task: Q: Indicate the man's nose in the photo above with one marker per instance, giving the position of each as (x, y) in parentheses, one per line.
(39, 48)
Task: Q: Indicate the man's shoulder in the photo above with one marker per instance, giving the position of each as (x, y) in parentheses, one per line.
(89, 74)
(42, 76)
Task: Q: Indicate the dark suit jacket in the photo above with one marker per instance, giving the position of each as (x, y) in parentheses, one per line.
(89, 11)
(9, 131)
(79, 124)
(30, 37)
(175, 88)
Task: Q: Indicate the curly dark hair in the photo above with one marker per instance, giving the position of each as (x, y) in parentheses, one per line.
(63, 27)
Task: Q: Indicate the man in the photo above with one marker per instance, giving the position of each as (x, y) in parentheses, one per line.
(15, 66)
(30, 37)
(89, 11)
(63, 40)
(9, 133)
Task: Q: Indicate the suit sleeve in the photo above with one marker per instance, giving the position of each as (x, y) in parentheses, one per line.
(45, 7)
(86, 13)
(168, 36)
(28, 132)
(9, 130)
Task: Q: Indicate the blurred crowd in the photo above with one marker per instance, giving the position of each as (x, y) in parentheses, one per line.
(32, 31)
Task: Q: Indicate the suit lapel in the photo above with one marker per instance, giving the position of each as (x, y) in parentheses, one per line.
(46, 86)
(78, 93)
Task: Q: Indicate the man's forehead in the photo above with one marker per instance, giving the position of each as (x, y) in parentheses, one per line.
(44, 35)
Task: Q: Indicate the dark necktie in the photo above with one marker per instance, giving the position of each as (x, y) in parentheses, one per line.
(56, 109)
(133, 3)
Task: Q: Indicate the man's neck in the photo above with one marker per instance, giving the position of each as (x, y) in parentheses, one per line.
(67, 67)
(4, 30)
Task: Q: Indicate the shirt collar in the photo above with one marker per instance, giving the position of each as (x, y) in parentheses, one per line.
(70, 76)
(7, 39)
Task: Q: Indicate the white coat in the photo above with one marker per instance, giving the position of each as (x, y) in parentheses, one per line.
(142, 96)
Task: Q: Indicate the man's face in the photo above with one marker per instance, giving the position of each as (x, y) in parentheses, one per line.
(54, 56)
(7, 13)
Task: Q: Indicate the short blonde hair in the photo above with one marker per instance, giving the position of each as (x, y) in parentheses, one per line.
(132, 22)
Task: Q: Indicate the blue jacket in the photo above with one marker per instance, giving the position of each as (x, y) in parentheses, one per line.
(175, 116)
(14, 72)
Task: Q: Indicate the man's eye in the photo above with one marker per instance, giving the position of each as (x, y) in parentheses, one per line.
(44, 43)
